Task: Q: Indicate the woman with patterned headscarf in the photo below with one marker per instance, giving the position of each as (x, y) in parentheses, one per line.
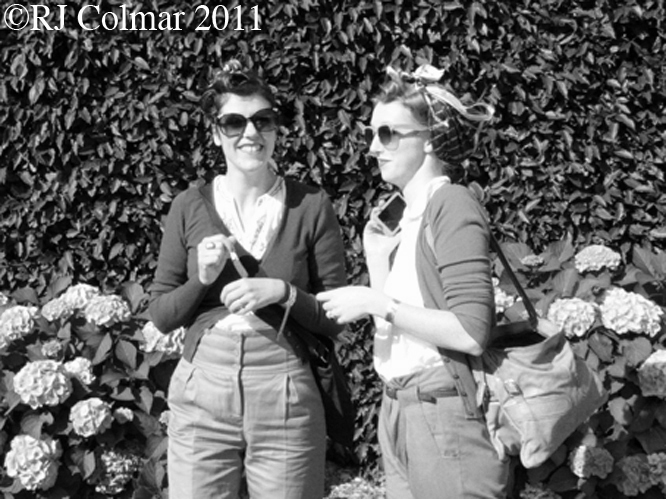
(431, 295)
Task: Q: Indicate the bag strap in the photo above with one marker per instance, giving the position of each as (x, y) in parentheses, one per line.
(531, 311)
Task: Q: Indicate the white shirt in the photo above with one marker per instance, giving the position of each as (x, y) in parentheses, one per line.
(397, 352)
(254, 235)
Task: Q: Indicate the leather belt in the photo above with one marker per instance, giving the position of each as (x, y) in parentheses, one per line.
(428, 396)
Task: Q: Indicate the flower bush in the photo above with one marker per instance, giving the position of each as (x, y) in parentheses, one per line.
(85, 375)
(81, 397)
(613, 316)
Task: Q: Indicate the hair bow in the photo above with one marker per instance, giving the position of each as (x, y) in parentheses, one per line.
(426, 74)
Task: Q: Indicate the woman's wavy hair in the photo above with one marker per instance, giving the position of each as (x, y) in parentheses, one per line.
(233, 79)
(453, 123)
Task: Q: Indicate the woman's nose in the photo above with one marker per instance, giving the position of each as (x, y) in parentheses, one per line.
(250, 130)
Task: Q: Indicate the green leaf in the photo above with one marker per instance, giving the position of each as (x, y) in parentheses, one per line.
(565, 282)
(126, 353)
(643, 259)
(636, 350)
(103, 350)
(653, 440)
(135, 296)
(32, 423)
(602, 346)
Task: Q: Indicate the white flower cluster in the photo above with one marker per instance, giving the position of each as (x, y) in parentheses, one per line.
(503, 300)
(105, 310)
(80, 368)
(596, 257)
(42, 382)
(164, 418)
(623, 312)
(4, 299)
(74, 299)
(118, 469)
(16, 322)
(357, 488)
(51, 348)
(90, 417)
(538, 492)
(657, 464)
(652, 375)
(586, 461)
(123, 415)
(170, 344)
(33, 461)
(635, 476)
(572, 315)
(532, 261)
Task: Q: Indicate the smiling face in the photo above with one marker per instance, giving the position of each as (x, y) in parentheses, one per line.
(251, 150)
(399, 165)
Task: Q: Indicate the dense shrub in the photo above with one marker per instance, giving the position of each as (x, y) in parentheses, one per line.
(101, 129)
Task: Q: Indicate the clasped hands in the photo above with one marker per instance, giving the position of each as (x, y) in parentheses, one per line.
(243, 295)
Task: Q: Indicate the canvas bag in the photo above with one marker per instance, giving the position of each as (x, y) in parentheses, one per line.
(532, 389)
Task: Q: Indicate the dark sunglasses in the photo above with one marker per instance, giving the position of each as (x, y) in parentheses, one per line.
(388, 137)
(233, 125)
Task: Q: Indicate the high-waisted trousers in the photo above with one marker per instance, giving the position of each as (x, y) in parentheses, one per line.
(430, 450)
(245, 405)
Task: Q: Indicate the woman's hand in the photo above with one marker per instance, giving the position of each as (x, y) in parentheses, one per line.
(251, 293)
(352, 303)
(212, 255)
(376, 242)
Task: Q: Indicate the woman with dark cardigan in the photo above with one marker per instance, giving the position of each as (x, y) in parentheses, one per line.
(240, 263)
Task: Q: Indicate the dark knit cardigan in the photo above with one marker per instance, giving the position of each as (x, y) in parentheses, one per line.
(307, 252)
(453, 270)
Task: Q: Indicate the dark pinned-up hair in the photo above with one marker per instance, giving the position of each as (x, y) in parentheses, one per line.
(233, 79)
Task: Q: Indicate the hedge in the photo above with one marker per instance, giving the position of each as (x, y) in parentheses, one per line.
(101, 129)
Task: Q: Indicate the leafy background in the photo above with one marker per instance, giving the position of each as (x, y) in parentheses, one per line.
(100, 130)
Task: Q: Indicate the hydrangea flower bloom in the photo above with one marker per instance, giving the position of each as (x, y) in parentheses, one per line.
(532, 261)
(118, 469)
(537, 492)
(123, 415)
(652, 375)
(105, 310)
(80, 368)
(79, 295)
(34, 462)
(90, 417)
(586, 461)
(657, 463)
(596, 257)
(16, 322)
(503, 300)
(51, 348)
(75, 298)
(4, 299)
(573, 316)
(164, 418)
(156, 341)
(42, 382)
(634, 478)
(623, 312)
